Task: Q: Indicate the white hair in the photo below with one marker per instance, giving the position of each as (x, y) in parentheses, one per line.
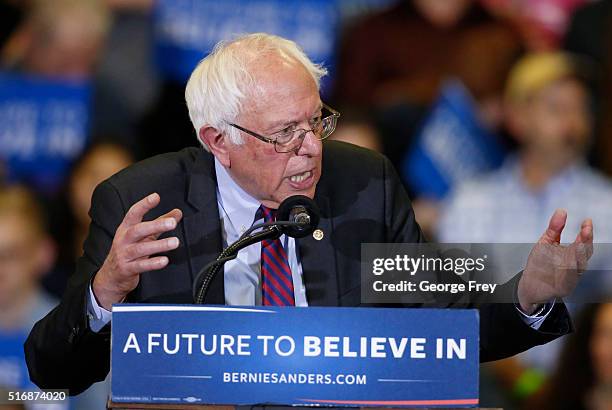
(218, 85)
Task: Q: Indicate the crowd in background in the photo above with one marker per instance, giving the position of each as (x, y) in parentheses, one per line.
(494, 112)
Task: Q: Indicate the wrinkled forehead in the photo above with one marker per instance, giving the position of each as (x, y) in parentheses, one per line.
(274, 71)
(280, 84)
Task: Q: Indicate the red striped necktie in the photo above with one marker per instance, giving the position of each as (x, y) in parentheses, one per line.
(276, 280)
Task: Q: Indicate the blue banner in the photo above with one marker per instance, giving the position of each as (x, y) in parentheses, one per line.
(451, 145)
(13, 370)
(295, 356)
(187, 30)
(43, 128)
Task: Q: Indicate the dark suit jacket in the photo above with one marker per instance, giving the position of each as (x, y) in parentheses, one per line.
(360, 198)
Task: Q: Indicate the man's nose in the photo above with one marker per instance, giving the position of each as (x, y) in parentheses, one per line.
(311, 145)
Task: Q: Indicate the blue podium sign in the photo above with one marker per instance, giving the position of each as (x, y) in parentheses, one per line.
(294, 356)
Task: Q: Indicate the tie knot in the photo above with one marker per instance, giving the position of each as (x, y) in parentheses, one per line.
(269, 214)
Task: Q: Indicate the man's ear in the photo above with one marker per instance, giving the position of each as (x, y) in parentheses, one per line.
(217, 143)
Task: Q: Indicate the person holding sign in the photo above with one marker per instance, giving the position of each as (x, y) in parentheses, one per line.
(255, 105)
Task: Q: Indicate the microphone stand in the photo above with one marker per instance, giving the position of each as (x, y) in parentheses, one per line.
(273, 231)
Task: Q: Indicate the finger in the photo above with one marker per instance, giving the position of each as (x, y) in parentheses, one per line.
(137, 211)
(584, 244)
(555, 227)
(148, 264)
(176, 214)
(145, 249)
(586, 232)
(583, 253)
(150, 228)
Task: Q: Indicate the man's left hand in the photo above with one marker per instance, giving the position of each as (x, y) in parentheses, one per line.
(553, 270)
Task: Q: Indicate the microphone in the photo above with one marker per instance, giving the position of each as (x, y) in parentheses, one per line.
(301, 210)
(297, 217)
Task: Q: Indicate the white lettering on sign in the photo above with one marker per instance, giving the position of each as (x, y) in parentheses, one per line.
(285, 346)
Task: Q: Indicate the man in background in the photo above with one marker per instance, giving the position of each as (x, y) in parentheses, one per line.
(60, 39)
(548, 113)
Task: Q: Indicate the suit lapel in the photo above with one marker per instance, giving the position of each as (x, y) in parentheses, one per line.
(319, 260)
(202, 228)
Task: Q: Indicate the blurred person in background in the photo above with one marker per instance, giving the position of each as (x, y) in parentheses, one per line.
(541, 23)
(70, 215)
(590, 35)
(126, 80)
(59, 39)
(26, 254)
(583, 377)
(548, 112)
(359, 130)
(101, 161)
(392, 63)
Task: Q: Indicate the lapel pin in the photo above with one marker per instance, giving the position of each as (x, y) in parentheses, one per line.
(318, 234)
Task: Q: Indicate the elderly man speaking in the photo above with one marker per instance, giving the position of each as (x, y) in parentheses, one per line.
(255, 105)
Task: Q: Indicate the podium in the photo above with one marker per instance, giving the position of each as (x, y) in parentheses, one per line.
(135, 406)
(220, 357)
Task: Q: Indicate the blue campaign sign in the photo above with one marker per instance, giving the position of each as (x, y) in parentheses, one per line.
(451, 146)
(187, 30)
(294, 356)
(13, 370)
(43, 128)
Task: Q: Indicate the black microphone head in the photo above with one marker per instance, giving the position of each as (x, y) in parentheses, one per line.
(298, 208)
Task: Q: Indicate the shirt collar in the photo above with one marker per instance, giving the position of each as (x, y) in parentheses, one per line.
(239, 207)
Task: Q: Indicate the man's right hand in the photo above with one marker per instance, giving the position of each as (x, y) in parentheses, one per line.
(131, 253)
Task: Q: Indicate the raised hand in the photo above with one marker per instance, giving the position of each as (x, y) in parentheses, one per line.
(132, 251)
(554, 270)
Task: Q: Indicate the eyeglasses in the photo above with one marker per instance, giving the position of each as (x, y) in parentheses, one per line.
(291, 138)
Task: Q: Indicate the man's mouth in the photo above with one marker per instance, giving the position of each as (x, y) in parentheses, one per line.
(300, 177)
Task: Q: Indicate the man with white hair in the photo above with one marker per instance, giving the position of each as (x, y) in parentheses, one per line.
(256, 109)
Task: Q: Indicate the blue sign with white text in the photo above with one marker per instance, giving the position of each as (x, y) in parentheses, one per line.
(451, 146)
(13, 370)
(187, 30)
(295, 356)
(43, 128)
